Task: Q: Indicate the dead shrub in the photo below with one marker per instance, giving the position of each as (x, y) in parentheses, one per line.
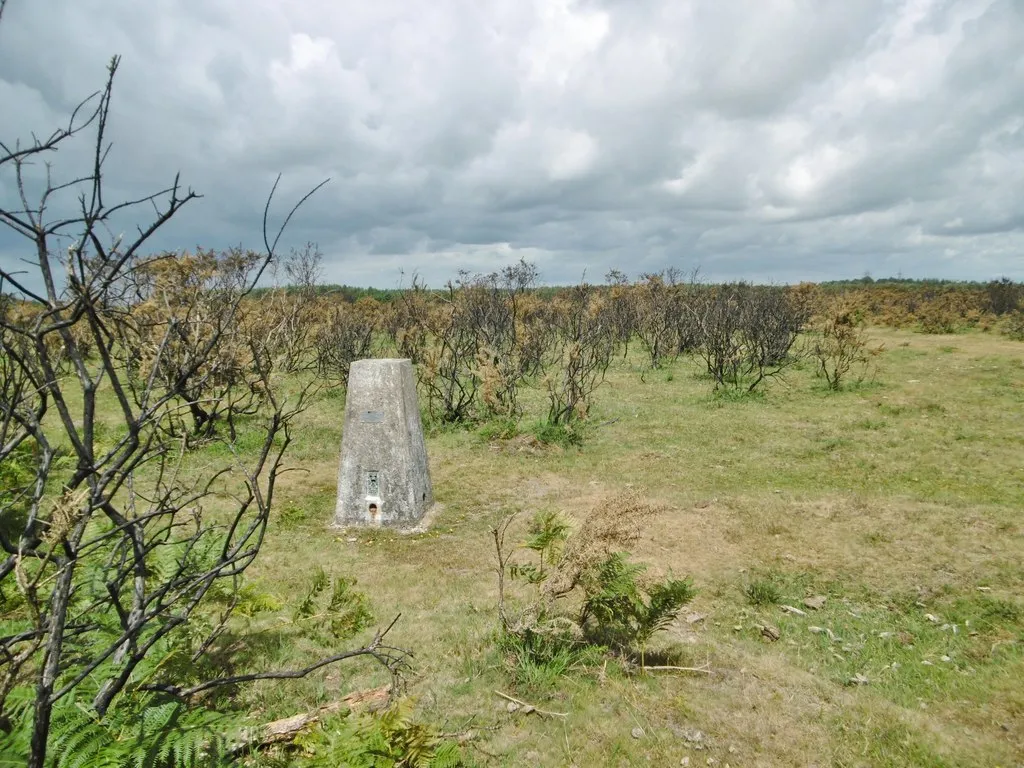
(1014, 326)
(660, 313)
(747, 333)
(477, 343)
(344, 337)
(1004, 296)
(191, 334)
(582, 349)
(935, 319)
(842, 347)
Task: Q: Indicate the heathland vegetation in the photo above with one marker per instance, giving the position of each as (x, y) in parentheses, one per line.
(823, 475)
(678, 521)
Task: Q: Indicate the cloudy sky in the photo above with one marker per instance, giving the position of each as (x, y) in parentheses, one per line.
(773, 140)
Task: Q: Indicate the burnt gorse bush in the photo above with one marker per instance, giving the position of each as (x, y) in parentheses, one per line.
(746, 333)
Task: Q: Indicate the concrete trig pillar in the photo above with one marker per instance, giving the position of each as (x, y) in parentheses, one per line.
(384, 479)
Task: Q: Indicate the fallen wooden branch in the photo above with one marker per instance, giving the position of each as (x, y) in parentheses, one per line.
(287, 728)
(466, 734)
(530, 708)
(702, 670)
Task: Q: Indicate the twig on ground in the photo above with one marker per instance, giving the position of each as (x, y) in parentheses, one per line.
(703, 670)
(468, 734)
(528, 708)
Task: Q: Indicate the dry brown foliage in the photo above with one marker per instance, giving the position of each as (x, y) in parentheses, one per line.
(842, 347)
(613, 525)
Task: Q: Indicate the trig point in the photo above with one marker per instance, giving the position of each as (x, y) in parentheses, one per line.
(384, 479)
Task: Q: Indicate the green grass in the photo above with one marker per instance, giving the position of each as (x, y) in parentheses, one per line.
(763, 592)
(898, 500)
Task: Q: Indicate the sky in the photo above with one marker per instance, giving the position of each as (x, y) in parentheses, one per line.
(766, 140)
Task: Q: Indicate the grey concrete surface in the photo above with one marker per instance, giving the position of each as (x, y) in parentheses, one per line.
(384, 479)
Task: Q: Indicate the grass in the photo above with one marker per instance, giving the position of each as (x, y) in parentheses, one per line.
(898, 500)
(763, 592)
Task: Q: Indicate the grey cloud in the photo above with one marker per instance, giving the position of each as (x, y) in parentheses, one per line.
(775, 141)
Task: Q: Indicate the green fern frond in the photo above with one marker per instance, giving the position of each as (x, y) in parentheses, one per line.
(621, 612)
(14, 744)
(307, 605)
(548, 531)
(140, 731)
(385, 740)
(446, 755)
(253, 600)
(664, 603)
(79, 742)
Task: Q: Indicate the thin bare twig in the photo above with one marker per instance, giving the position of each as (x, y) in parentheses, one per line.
(530, 708)
(79, 335)
(667, 668)
(392, 658)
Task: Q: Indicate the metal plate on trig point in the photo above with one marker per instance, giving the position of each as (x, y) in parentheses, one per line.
(371, 417)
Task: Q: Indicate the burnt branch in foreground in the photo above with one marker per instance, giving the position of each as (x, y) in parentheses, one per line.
(395, 660)
(107, 541)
